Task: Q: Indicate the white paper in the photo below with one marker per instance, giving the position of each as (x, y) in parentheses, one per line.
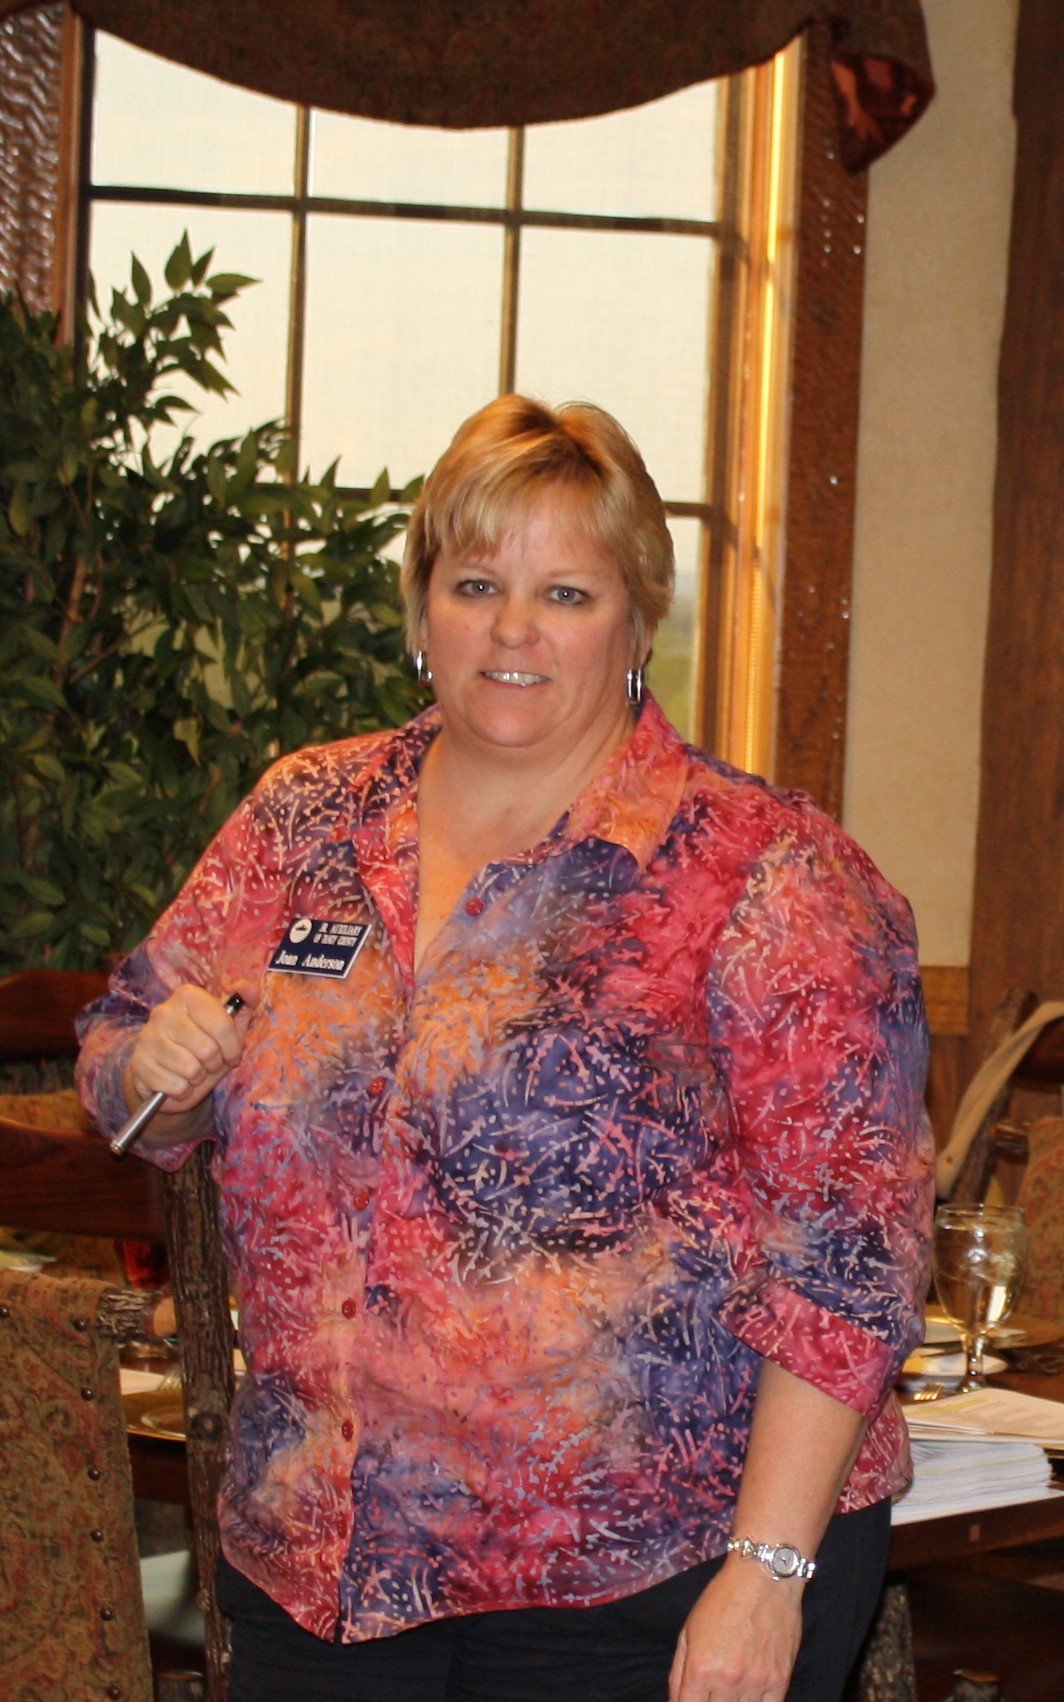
(991, 1413)
(952, 1475)
(907, 1512)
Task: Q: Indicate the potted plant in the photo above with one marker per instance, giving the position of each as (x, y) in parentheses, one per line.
(170, 622)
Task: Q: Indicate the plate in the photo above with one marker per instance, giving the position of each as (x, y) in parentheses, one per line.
(22, 1259)
(1020, 1331)
(945, 1367)
(151, 1413)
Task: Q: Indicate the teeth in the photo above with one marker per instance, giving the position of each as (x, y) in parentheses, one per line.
(508, 679)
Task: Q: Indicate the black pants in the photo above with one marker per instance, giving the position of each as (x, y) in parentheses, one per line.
(620, 1652)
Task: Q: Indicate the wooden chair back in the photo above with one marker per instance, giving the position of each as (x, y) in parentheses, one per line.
(55, 1173)
(38, 1008)
(68, 1182)
(1035, 1151)
(1000, 1140)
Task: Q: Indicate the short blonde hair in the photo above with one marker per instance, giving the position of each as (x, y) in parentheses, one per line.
(510, 453)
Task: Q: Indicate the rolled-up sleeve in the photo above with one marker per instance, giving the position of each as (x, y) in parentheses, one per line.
(818, 1029)
(200, 940)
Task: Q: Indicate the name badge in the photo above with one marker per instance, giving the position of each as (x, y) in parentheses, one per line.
(319, 948)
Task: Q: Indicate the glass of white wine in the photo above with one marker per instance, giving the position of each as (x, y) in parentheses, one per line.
(980, 1257)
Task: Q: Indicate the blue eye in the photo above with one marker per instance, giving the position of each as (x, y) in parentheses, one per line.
(474, 587)
(568, 594)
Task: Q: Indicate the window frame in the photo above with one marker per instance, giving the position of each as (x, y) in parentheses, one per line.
(734, 654)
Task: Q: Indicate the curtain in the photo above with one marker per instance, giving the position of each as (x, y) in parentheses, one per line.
(464, 63)
(30, 68)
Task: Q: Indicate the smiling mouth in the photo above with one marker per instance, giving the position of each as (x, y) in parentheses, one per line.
(513, 679)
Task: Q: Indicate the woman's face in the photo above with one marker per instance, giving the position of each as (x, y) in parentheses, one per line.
(529, 648)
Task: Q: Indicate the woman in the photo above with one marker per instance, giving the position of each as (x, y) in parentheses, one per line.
(574, 1178)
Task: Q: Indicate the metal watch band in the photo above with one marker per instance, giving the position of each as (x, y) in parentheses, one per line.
(780, 1559)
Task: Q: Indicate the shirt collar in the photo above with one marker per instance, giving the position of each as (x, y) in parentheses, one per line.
(634, 796)
(629, 802)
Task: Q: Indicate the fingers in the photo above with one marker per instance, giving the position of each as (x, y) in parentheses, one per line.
(187, 1044)
(676, 1671)
(739, 1642)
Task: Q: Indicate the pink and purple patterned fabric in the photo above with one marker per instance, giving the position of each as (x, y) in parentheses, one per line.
(511, 1236)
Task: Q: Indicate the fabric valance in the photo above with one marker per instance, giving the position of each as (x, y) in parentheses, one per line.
(473, 63)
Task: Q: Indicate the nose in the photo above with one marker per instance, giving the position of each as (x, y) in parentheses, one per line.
(514, 624)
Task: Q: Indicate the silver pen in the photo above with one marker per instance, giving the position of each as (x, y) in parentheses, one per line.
(131, 1128)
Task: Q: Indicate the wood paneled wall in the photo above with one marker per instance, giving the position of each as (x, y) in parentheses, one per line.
(1018, 921)
(946, 993)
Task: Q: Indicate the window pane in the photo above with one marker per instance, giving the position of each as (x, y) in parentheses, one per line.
(367, 161)
(657, 159)
(622, 321)
(257, 244)
(402, 340)
(157, 123)
(672, 666)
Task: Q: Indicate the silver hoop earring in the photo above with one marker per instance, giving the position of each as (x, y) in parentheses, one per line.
(634, 685)
(422, 669)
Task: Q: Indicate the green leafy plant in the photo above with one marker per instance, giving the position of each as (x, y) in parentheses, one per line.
(169, 623)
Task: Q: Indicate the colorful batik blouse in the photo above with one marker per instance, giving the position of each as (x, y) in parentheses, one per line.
(510, 1237)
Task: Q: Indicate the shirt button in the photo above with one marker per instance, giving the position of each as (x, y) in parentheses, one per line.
(377, 1086)
(474, 906)
(347, 1430)
(360, 1198)
(349, 1308)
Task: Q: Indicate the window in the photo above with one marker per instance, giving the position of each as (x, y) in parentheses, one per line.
(407, 275)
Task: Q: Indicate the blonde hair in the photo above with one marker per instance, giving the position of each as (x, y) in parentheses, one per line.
(510, 453)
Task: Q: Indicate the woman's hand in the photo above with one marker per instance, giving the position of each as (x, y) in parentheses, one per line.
(187, 1045)
(742, 1635)
(741, 1638)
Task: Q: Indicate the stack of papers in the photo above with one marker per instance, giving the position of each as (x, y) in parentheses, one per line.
(966, 1477)
(981, 1450)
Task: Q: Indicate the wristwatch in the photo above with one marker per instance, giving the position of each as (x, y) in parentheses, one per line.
(780, 1559)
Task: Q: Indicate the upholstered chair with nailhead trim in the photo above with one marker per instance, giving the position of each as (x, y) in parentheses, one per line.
(71, 1613)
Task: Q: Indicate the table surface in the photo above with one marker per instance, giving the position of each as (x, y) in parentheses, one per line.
(958, 1534)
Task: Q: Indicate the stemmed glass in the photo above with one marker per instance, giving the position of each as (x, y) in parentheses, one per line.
(980, 1255)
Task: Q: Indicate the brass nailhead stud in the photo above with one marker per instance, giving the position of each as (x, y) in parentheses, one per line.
(96, 1535)
(93, 1474)
(88, 1394)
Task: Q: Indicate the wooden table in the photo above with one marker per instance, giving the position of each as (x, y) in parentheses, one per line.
(887, 1669)
(959, 1534)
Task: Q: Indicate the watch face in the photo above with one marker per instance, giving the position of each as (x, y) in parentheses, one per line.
(785, 1561)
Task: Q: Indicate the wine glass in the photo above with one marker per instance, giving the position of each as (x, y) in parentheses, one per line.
(980, 1254)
